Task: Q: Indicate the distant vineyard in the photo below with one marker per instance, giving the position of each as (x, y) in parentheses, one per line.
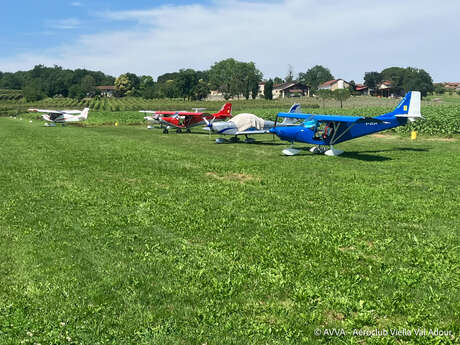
(10, 95)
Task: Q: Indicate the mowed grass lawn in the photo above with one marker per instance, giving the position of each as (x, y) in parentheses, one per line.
(120, 235)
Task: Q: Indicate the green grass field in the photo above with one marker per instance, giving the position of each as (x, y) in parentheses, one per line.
(120, 235)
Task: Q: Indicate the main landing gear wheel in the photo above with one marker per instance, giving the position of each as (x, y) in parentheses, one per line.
(290, 151)
(249, 140)
(165, 131)
(188, 130)
(333, 152)
(234, 139)
(178, 130)
(317, 150)
(221, 141)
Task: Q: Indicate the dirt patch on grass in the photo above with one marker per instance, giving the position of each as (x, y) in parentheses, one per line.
(242, 178)
(441, 139)
(384, 136)
(334, 316)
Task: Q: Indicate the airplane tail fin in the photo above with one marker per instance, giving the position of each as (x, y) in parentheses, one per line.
(225, 111)
(296, 108)
(84, 114)
(409, 107)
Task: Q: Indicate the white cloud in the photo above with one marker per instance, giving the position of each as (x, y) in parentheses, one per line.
(64, 24)
(76, 4)
(350, 38)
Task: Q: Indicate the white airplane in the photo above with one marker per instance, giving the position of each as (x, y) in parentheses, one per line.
(61, 116)
(246, 124)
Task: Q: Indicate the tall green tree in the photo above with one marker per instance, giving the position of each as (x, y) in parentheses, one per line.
(222, 76)
(146, 81)
(186, 81)
(407, 79)
(200, 91)
(88, 85)
(396, 76)
(268, 89)
(324, 94)
(315, 76)
(277, 81)
(127, 84)
(233, 78)
(372, 79)
(341, 95)
(33, 91)
(417, 80)
(250, 78)
(77, 92)
(148, 92)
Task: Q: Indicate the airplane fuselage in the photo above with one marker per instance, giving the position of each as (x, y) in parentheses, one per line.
(340, 133)
(189, 121)
(229, 127)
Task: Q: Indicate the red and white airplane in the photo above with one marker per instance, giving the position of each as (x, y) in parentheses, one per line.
(185, 119)
(61, 116)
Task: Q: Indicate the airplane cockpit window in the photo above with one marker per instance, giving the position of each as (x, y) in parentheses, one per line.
(310, 123)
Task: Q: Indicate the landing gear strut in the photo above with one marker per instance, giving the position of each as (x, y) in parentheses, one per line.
(249, 140)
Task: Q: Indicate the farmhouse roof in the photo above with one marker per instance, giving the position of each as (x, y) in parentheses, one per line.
(331, 82)
(452, 84)
(107, 87)
(285, 86)
(360, 87)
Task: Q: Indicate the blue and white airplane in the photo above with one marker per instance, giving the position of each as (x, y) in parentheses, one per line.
(324, 131)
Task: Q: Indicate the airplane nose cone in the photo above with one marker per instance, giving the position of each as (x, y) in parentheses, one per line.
(273, 130)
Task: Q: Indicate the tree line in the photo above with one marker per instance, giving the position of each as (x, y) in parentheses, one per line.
(402, 80)
(44, 81)
(230, 77)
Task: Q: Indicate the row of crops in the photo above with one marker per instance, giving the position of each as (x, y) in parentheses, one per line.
(13, 95)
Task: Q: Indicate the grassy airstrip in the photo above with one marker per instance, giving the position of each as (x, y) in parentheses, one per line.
(120, 235)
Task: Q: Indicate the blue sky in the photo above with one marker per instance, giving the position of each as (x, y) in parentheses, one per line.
(37, 25)
(155, 37)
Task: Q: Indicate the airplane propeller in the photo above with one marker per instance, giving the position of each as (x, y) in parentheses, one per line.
(209, 124)
(274, 126)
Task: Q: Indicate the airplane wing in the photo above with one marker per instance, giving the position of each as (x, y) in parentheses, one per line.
(167, 112)
(332, 118)
(186, 113)
(35, 110)
(71, 111)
